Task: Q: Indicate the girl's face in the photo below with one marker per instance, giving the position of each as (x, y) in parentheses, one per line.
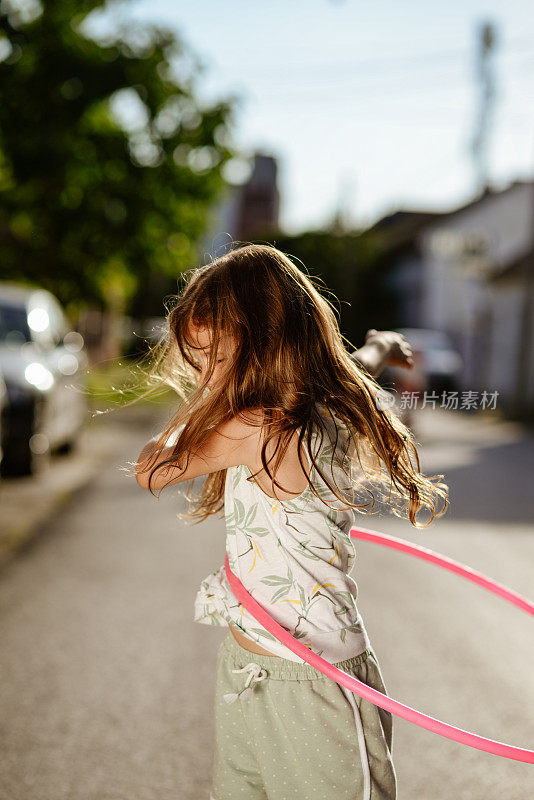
(200, 337)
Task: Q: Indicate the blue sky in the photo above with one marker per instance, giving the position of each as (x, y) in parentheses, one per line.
(368, 104)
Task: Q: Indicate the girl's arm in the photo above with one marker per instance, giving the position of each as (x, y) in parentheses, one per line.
(230, 444)
(382, 348)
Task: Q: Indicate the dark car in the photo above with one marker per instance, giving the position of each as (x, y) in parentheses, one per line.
(43, 364)
(3, 413)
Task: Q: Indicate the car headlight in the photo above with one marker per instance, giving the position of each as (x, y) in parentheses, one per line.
(39, 376)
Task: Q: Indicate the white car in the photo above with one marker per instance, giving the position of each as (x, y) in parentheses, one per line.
(43, 364)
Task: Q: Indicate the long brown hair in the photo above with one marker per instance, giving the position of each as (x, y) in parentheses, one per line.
(289, 358)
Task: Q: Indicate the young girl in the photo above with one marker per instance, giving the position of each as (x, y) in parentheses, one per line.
(287, 427)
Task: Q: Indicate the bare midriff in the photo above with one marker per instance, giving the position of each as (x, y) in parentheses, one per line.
(248, 645)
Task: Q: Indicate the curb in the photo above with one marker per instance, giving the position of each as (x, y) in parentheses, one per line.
(29, 502)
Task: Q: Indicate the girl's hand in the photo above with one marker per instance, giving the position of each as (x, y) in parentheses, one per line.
(397, 349)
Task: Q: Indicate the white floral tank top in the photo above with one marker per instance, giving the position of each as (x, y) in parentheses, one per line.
(293, 557)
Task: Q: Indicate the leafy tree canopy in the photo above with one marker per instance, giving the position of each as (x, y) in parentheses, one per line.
(108, 161)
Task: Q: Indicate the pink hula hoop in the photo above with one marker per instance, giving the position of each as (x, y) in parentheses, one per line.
(373, 695)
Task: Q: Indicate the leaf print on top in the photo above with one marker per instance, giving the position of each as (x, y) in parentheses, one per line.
(284, 584)
(304, 551)
(293, 556)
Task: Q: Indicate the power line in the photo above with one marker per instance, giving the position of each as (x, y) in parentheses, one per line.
(386, 63)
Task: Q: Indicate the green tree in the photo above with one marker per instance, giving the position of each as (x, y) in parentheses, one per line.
(93, 203)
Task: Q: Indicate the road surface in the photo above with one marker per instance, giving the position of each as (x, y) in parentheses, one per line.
(106, 684)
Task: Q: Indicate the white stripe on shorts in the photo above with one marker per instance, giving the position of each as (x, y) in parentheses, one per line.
(361, 742)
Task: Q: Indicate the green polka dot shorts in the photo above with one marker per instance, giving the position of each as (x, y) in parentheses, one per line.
(283, 731)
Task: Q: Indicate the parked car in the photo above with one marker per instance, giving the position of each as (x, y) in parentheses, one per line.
(43, 364)
(437, 359)
(3, 414)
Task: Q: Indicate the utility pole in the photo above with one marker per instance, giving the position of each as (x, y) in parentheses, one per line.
(523, 400)
(486, 35)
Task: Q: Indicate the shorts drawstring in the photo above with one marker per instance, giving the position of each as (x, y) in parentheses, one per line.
(256, 674)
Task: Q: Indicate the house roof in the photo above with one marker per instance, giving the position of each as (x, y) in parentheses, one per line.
(401, 227)
(489, 191)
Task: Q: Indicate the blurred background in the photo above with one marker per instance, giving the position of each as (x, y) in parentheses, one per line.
(390, 149)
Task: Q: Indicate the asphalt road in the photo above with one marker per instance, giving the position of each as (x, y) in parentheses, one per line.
(106, 684)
